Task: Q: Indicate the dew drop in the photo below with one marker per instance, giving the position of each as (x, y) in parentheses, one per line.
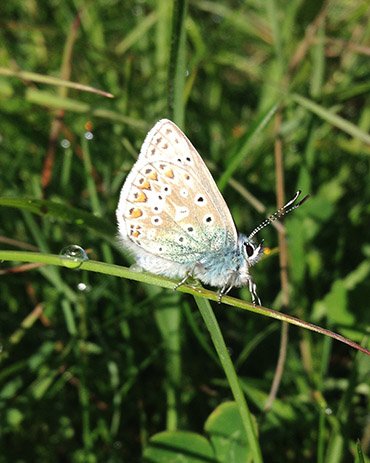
(136, 268)
(89, 135)
(216, 18)
(83, 287)
(73, 256)
(65, 143)
(137, 10)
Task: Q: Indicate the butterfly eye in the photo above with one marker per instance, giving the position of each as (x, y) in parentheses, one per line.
(250, 249)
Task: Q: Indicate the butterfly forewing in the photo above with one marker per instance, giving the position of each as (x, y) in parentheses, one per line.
(170, 205)
(166, 141)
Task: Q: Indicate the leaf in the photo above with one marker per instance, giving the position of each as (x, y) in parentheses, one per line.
(227, 434)
(61, 212)
(336, 302)
(179, 447)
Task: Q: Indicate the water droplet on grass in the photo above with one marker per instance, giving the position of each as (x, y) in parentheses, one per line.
(73, 256)
(65, 143)
(83, 287)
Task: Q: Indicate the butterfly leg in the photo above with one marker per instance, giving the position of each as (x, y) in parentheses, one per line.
(189, 274)
(253, 290)
(182, 281)
(223, 291)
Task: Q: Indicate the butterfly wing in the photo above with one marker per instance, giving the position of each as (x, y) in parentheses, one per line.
(170, 205)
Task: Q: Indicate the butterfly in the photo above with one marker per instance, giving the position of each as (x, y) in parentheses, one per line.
(174, 221)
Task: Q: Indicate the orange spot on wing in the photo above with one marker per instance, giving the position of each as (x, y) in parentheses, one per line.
(135, 212)
(140, 197)
(169, 173)
(144, 184)
(152, 176)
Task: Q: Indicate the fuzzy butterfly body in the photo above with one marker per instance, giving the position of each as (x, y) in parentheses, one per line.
(175, 222)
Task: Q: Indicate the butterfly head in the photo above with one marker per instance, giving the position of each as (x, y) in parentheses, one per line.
(251, 251)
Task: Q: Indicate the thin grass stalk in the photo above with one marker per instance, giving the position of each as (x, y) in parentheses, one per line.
(218, 341)
(176, 76)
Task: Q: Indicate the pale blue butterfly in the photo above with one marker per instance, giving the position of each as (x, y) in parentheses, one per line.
(174, 221)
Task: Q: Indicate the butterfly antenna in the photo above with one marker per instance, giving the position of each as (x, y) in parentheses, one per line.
(289, 207)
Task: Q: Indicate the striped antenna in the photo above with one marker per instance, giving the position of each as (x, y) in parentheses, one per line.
(289, 207)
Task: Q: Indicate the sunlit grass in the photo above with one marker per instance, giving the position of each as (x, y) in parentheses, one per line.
(94, 365)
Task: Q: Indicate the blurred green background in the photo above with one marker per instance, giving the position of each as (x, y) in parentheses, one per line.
(92, 366)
